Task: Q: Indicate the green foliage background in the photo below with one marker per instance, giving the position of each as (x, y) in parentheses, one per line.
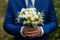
(55, 35)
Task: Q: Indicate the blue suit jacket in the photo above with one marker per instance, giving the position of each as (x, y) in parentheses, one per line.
(14, 6)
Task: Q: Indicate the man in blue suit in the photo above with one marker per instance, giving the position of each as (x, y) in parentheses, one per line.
(26, 33)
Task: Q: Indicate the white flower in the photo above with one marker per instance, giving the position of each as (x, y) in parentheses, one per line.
(26, 12)
(32, 18)
(32, 9)
(39, 13)
(23, 9)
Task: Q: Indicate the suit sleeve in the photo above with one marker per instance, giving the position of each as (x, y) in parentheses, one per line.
(52, 20)
(9, 25)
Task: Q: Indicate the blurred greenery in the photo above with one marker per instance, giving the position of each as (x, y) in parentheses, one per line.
(55, 35)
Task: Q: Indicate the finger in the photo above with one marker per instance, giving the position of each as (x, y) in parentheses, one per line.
(29, 29)
(33, 35)
(31, 32)
(36, 35)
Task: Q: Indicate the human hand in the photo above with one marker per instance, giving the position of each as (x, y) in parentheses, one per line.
(32, 32)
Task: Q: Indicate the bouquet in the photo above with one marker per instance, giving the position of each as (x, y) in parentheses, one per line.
(30, 17)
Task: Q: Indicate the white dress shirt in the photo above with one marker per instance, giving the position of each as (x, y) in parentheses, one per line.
(33, 2)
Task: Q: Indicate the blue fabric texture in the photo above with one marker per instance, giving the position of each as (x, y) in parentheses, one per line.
(13, 28)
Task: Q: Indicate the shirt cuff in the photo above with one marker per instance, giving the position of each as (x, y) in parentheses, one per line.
(22, 32)
(42, 31)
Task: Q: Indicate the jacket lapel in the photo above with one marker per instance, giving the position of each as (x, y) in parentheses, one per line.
(38, 4)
